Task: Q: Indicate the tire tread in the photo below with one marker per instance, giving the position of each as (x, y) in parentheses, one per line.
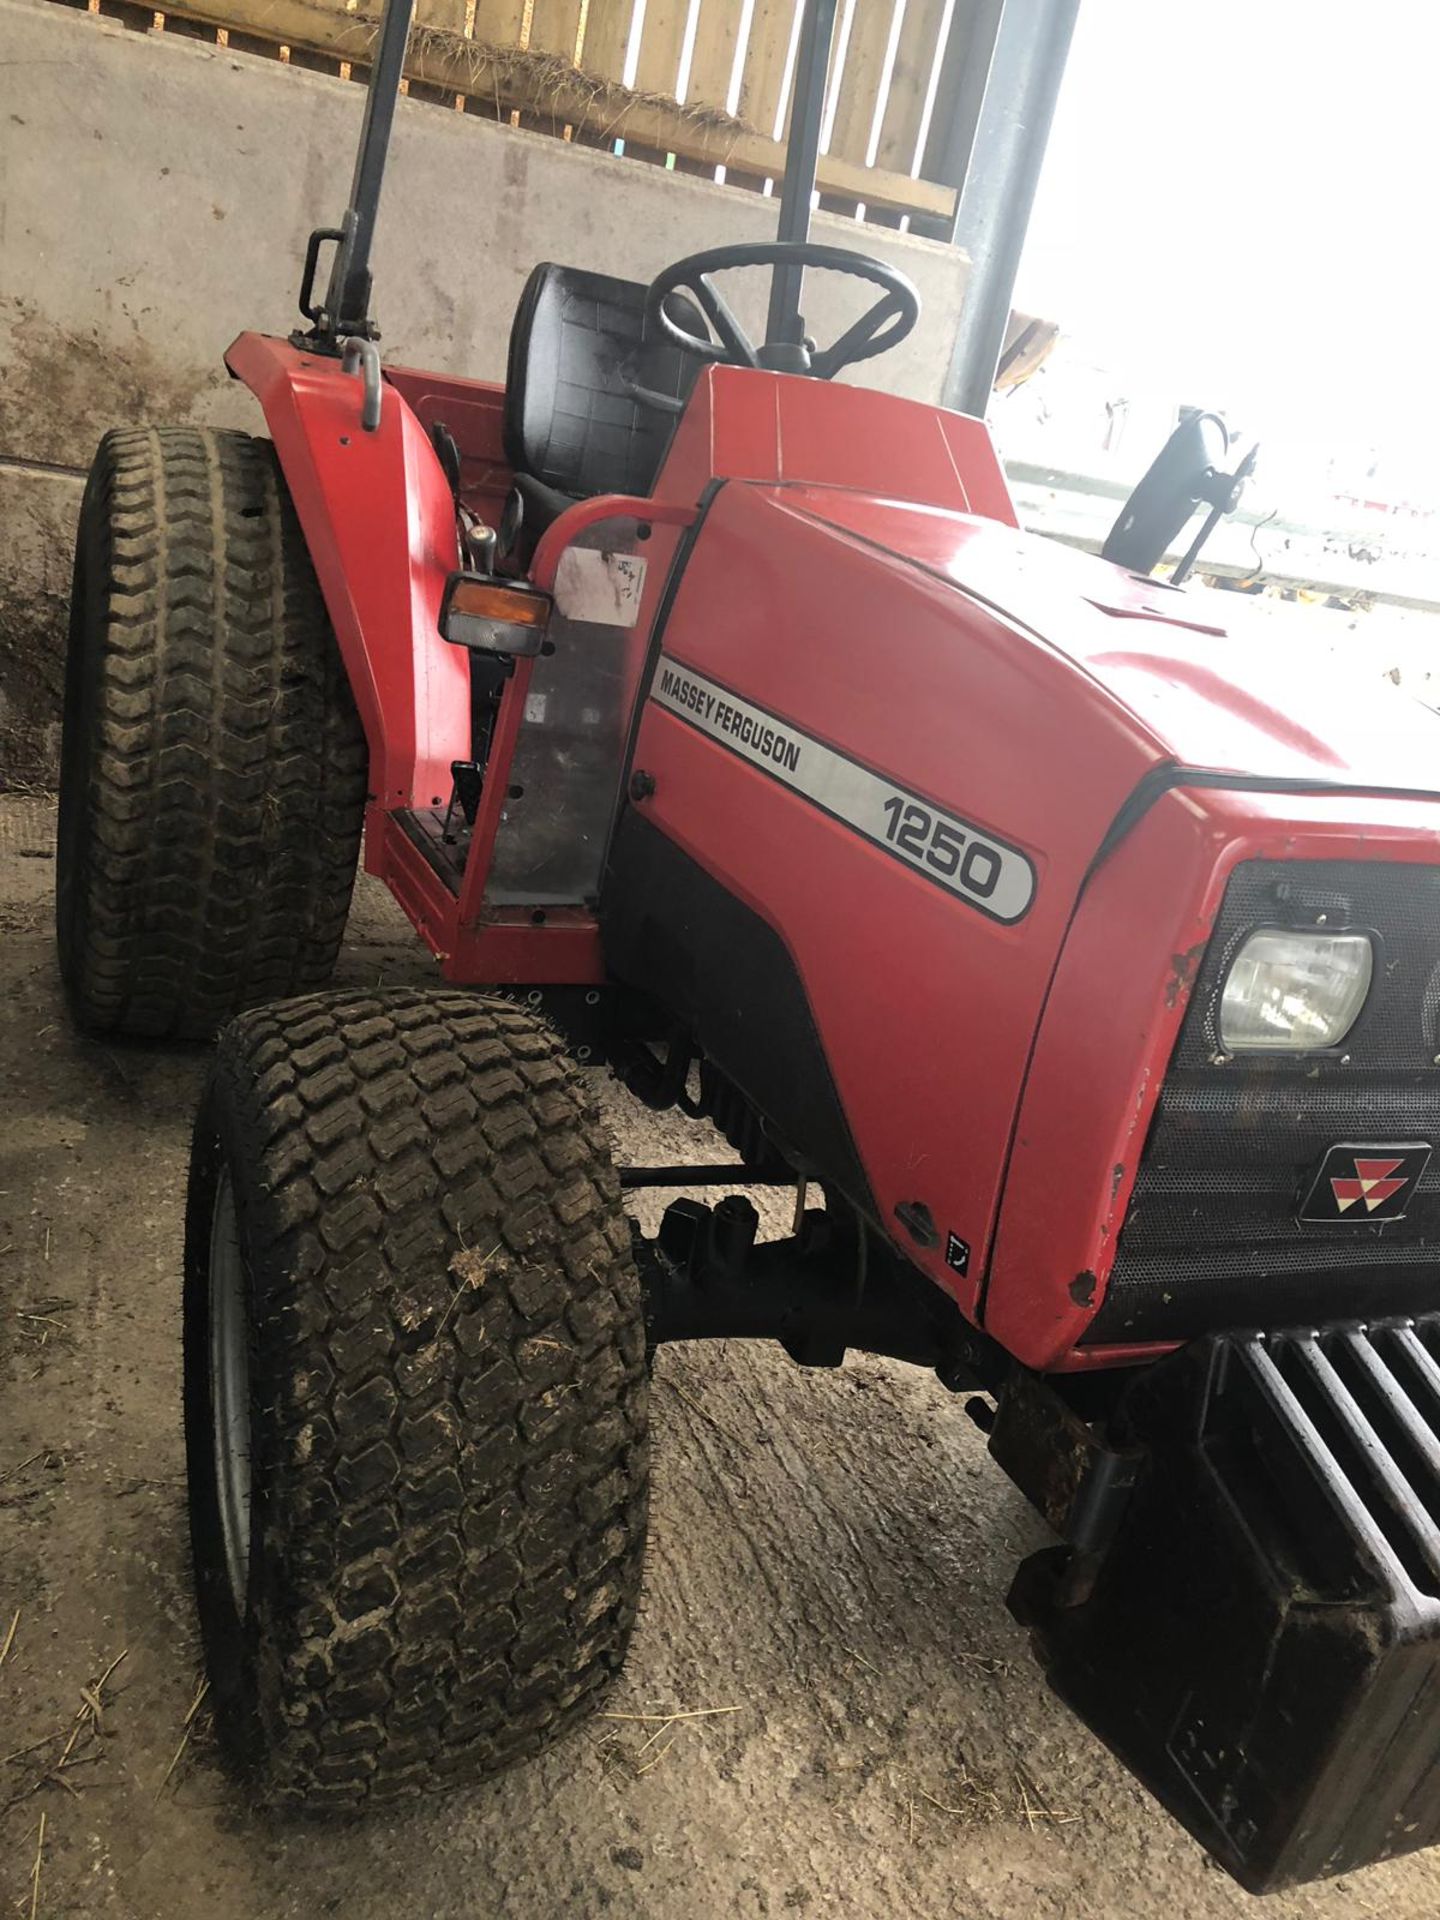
(212, 802)
(454, 1472)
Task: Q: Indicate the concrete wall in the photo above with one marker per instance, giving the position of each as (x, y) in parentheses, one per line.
(155, 197)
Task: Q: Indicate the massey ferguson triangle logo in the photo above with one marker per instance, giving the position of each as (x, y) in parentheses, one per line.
(1374, 1183)
(1360, 1183)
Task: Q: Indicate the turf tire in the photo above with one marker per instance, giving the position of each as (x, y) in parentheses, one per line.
(213, 768)
(447, 1460)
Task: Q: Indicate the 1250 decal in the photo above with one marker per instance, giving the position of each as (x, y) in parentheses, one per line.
(986, 872)
(940, 844)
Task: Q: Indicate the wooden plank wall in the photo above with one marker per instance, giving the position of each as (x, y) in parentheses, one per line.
(698, 84)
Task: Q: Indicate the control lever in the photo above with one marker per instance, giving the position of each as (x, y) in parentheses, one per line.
(480, 543)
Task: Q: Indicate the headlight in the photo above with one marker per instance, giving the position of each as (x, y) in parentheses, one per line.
(1294, 991)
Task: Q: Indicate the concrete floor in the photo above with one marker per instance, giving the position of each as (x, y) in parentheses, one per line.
(829, 1561)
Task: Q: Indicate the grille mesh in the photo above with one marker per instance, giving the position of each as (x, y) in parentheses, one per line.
(1211, 1237)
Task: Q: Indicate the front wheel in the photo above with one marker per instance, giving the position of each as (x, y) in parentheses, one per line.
(415, 1392)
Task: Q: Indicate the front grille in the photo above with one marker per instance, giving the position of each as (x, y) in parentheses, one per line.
(1211, 1237)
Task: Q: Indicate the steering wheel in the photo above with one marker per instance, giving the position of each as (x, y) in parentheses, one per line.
(882, 327)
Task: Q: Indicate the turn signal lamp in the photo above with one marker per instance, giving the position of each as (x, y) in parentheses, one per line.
(493, 616)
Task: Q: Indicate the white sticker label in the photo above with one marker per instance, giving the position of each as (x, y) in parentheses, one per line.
(995, 877)
(601, 588)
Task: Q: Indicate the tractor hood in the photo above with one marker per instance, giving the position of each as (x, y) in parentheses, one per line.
(1212, 689)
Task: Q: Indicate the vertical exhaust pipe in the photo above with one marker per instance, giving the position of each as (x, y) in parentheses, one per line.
(345, 313)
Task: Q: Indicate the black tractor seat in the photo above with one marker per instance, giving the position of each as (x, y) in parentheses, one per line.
(574, 425)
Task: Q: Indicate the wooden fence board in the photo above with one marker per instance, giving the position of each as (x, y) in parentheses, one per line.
(660, 43)
(449, 15)
(607, 37)
(497, 23)
(772, 27)
(555, 27)
(713, 61)
(860, 81)
(914, 58)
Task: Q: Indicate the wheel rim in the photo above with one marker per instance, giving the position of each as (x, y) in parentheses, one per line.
(230, 1389)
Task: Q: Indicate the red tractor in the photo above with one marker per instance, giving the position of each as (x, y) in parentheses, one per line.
(1080, 964)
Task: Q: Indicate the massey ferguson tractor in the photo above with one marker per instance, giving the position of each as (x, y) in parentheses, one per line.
(1077, 965)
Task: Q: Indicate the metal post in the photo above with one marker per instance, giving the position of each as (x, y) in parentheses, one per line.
(998, 192)
(348, 301)
(964, 71)
(802, 154)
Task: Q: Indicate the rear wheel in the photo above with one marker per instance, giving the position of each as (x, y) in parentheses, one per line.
(415, 1391)
(213, 767)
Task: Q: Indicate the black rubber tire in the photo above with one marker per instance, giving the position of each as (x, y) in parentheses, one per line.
(449, 1476)
(213, 767)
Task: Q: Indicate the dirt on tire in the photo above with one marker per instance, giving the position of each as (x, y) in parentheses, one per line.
(446, 1363)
